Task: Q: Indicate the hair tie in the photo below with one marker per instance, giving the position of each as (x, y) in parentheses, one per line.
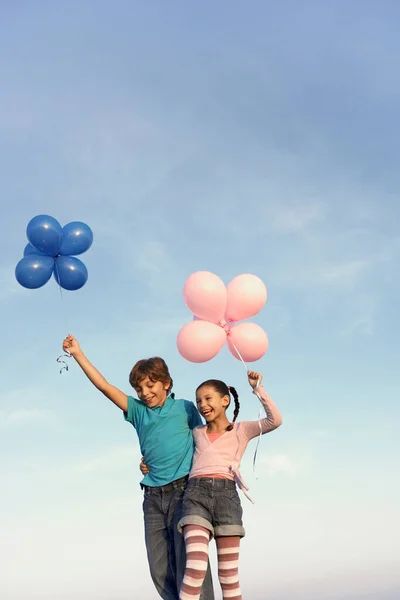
(229, 387)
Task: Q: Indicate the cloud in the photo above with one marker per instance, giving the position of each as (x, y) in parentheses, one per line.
(280, 463)
(117, 457)
(143, 257)
(296, 219)
(321, 434)
(344, 273)
(154, 257)
(8, 284)
(26, 415)
(27, 406)
(362, 319)
(363, 325)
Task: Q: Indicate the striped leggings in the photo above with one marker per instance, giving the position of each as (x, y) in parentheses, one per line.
(197, 540)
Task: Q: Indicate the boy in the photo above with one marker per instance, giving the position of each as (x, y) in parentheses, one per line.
(164, 427)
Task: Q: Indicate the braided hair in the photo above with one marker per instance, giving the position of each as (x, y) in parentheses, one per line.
(221, 388)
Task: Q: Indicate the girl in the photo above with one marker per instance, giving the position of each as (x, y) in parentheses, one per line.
(211, 504)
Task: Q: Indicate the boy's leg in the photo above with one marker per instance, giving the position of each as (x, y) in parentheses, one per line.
(159, 544)
(207, 591)
(228, 566)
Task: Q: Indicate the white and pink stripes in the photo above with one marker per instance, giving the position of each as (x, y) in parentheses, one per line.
(228, 567)
(197, 540)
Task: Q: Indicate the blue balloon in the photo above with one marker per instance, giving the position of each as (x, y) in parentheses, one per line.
(45, 234)
(29, 249)
(70, 272)
(34, 270)
(77, 238)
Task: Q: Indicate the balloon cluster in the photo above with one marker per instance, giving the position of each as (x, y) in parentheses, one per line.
(51, 251)
(217, 310)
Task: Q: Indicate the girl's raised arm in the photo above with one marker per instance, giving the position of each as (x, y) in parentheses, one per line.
(273, 417)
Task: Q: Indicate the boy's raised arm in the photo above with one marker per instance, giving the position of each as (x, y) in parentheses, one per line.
(120, 399)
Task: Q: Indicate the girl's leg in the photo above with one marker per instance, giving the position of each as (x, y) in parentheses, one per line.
(196, 542)
(228, 567)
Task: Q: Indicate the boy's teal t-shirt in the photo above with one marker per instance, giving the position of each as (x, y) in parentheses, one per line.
(165, 437)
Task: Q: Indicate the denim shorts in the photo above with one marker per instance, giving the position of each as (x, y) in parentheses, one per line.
(214, 504)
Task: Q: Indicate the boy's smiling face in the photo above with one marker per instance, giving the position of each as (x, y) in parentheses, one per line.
(152, 393)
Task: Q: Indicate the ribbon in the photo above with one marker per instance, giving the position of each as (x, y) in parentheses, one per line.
(67, 355)
(257, 393)
(60, 361)
(240, 483)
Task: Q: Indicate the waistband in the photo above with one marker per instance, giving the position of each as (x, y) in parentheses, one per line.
(167, 487)
(215, 482)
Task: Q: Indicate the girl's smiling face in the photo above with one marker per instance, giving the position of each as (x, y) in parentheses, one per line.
(210, 403)
(152, 393)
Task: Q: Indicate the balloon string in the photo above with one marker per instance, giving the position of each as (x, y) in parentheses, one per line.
(67, 355)
(58, 278)
(240, 356)
(257, 393)
(60, 361)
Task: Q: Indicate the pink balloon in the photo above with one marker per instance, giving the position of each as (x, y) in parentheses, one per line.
(247, 295)
(250, 339)
(205, 295)
(199, 341)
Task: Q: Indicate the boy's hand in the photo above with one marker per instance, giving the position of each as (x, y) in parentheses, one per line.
(254, 378)
(143, 467)
(70, 344)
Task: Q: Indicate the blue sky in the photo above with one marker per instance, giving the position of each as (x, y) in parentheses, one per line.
(233, 137)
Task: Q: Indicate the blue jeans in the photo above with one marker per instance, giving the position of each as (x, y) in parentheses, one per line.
(214, 504)
(166, 553)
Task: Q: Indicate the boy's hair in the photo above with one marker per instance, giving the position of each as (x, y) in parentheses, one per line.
(221, 388)
(154, 368)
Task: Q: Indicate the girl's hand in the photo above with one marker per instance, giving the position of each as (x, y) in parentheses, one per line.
(70, 344)
(254, 378)
(143, 467)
